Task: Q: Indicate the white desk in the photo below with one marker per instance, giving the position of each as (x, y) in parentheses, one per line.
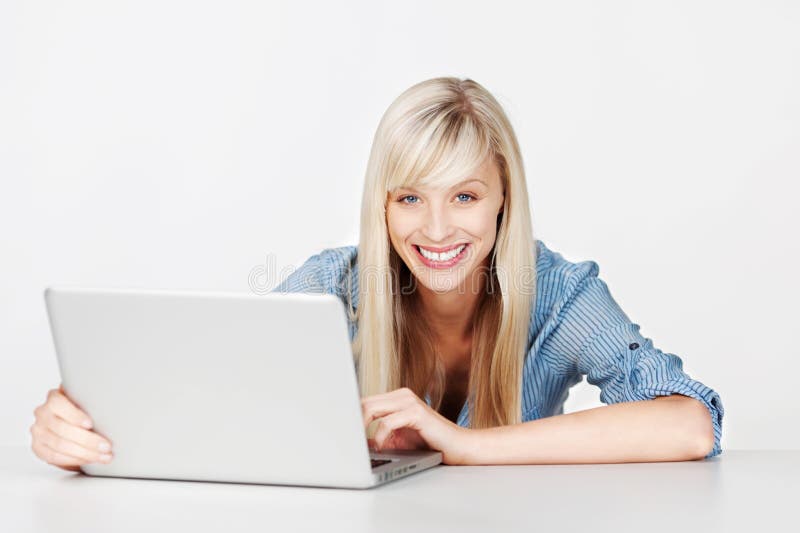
(737, 491)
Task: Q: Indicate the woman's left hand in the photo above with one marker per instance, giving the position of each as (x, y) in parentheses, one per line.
(407, 422)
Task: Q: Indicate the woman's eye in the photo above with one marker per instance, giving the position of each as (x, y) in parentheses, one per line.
(410, 199)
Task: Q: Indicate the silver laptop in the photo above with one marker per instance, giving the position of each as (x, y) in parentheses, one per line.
(217, 386)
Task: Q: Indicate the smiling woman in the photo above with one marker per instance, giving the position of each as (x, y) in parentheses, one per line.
(467, 332)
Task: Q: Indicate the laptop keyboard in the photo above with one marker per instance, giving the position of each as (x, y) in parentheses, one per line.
(379, 462)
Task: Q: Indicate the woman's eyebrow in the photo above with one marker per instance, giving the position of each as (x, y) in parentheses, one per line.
(461, 184)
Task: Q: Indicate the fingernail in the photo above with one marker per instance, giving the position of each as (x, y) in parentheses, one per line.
(104, 446)
(87, 424)
(105, 458)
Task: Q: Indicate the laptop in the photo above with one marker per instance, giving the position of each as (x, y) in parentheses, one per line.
(220, 386)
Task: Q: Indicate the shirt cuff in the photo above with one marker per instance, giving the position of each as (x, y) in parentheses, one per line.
(693, 389)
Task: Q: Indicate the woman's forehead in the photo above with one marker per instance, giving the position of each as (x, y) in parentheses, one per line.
(485, 174)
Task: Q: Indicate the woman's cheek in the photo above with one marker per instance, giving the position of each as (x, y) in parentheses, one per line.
(401, 228)
(480, 224)
(395, 225)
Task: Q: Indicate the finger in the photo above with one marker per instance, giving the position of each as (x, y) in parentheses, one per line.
(378, 408)
(83, 437)
(388, 424)
(53, 457)
(66, 447)
(374, 407)
(67, 410)
(403, 392)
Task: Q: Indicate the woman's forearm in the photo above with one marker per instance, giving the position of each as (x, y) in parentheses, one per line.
(669, 428)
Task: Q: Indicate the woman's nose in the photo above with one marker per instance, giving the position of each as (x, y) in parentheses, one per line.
(437, 226)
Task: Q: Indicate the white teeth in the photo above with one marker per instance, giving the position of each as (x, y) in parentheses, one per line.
(433, 256)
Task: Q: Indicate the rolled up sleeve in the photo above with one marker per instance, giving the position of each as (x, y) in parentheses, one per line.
(599, 341)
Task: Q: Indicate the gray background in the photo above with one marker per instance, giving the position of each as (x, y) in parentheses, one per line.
(188, 144)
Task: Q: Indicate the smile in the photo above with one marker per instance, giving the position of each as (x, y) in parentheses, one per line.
(443, 259)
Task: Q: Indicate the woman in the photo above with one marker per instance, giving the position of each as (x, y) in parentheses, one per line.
(467, 332)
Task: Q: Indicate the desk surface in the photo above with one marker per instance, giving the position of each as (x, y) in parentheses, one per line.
(736, 491)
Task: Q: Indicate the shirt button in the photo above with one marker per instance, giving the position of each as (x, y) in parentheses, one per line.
(633, 346)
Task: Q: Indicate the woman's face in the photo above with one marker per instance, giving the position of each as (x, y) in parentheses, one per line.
(445, 236)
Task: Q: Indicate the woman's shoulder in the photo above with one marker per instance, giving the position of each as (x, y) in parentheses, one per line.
(558, 280)
(342, 265)
(341, 257)
(323, 272)
(553, 266)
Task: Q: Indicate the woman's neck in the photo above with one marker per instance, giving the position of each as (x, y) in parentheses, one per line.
(450, 315)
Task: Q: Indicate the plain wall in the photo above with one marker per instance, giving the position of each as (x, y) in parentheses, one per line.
(174, 144)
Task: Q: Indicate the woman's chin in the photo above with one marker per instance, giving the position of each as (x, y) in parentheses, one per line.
(440, 284)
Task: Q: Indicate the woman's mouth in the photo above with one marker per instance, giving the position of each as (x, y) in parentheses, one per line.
(442, 260)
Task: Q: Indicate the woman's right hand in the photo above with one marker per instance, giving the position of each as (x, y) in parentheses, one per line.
(62, 434)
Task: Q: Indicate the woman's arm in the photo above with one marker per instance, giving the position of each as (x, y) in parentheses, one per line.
(591, 336)
(668, 428)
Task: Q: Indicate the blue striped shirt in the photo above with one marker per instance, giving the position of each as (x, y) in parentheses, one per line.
(576, 329)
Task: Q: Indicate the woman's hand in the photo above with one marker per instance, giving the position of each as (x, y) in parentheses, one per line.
(62, 434)
(406, 422)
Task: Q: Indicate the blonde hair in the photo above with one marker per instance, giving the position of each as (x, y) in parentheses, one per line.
(436, 133)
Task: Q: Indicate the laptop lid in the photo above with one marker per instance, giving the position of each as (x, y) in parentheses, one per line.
(214, 386)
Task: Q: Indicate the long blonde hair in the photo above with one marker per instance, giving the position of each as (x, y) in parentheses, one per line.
(436, 133)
